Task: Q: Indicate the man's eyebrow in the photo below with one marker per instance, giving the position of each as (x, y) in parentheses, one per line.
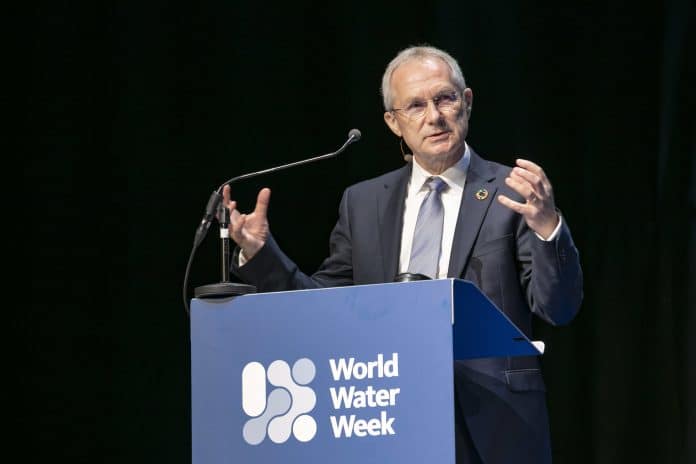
(439, 93)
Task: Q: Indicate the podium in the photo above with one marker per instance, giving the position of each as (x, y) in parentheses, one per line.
(341, 375)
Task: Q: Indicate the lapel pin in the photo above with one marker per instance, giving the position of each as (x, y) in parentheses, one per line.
(482, 194)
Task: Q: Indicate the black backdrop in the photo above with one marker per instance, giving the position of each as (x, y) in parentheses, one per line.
(136, 111)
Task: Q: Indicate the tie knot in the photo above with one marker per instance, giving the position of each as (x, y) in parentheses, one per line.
(436, 184)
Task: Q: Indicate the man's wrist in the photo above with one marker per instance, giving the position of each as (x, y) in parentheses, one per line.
(242, 259)
(245, 255)
(553, 234)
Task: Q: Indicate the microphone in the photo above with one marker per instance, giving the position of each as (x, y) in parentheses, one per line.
(215, 199)
(354, 134)
(214, 209)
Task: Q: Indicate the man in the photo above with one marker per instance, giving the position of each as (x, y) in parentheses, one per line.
(495, 226)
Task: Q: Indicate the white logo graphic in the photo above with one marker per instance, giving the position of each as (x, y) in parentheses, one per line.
(285, 409)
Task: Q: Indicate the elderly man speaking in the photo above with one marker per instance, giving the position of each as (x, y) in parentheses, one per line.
(447, 213)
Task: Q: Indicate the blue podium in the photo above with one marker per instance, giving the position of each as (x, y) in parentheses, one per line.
(342, 375)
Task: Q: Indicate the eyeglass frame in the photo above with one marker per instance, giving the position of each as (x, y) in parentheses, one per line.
(459, 100)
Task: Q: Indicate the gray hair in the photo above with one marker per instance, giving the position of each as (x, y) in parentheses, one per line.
(419, 52)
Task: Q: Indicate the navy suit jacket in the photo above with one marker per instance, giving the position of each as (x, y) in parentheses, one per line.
(501, 400)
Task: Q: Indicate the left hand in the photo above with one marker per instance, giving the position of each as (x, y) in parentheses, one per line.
(539, 210)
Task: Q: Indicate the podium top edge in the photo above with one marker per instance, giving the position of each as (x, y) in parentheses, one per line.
(450, 280)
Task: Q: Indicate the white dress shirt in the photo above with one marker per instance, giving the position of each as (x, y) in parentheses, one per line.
(455, 177)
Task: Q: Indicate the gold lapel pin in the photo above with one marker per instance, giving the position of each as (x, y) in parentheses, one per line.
(482, 194)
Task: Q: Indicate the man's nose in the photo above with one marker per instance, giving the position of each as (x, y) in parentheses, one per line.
(432, 112)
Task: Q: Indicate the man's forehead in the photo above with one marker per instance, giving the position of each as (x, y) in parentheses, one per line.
(421, 75)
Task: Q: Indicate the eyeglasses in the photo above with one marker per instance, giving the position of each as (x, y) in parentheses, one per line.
(445, 102)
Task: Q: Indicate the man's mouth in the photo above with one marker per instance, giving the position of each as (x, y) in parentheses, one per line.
(438, 135)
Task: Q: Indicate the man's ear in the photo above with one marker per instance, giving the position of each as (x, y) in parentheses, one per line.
(468, 95)
(393, 124)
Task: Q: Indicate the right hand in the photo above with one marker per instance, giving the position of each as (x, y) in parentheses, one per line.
(249, 231)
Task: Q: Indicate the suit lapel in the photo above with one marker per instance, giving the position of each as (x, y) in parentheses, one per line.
(472, 212)
(390, 204)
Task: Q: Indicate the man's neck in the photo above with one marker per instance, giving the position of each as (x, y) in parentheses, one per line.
(439, 166)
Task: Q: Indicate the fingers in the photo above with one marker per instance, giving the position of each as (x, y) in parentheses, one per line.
(530, 181)
(249, 230)
(538, 209)
(237, 226)
(234, 214)
(521, 186)
(520, 208)
(231, 205)
(529, 178)
(262, 201)
(530, 166)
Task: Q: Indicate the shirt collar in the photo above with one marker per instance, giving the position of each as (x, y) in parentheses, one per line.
(455, 175)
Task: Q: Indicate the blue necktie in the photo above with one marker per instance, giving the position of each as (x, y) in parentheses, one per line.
(425, 251)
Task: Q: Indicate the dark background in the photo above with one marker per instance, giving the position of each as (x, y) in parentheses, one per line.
(136, 111)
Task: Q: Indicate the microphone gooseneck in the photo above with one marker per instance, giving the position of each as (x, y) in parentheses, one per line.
(353, 136)
(214, 207)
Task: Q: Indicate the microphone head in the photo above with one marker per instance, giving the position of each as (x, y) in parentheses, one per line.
(354, 134)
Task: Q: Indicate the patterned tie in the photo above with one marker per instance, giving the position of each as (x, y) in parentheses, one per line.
(425, 252)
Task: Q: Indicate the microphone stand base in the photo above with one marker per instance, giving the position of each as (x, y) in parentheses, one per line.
(223, 290)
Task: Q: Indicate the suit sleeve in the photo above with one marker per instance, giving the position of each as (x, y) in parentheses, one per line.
(551, 274)
(271, 270)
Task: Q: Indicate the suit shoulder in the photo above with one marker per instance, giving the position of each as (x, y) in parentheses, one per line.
(490, 168)
(498, 168)
(378, 183)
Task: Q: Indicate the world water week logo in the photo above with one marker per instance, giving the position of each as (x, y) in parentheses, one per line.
(284, 410)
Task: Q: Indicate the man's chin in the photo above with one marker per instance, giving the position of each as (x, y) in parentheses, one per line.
(441, 160)
(440, 151)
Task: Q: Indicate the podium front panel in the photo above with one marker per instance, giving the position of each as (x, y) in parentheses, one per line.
(341, 375)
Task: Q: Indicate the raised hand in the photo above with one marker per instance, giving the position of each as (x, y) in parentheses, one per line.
(249, 231)
(539, 210)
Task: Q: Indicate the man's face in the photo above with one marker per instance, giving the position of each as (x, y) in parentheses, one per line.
(435, 135)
